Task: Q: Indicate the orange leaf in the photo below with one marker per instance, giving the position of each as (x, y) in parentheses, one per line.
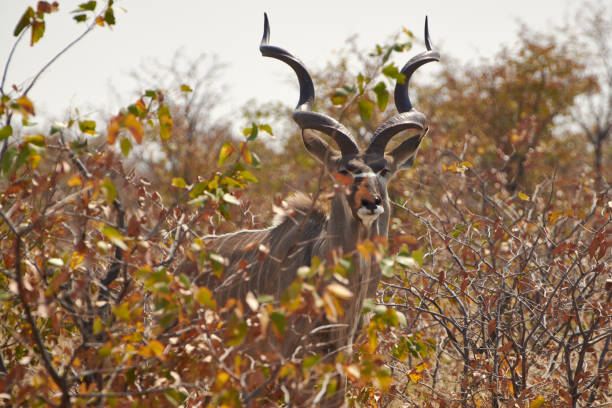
(491, 326)
(506, 347)
(113, 129)
(26, 105)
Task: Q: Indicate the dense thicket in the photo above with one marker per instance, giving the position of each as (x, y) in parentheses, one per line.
(497, 287)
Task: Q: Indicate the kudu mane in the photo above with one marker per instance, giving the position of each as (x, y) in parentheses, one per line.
(266, 261)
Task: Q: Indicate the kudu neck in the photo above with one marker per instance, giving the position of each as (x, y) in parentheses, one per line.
(345, 230)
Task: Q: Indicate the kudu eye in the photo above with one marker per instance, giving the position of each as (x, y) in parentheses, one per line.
(377, 200)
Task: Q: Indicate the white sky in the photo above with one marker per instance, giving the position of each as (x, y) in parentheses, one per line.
(310, 29)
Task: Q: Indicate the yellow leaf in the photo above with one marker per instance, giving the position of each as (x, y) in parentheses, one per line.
(537, 402)
(523, 196)
(145, 351)
(554, 216)
(156, 347)
(135, 127)
(75, 181)
(76, 259)
(34, 159)
(222, 378)
(226, 150)
(467, 164)
(415, 377)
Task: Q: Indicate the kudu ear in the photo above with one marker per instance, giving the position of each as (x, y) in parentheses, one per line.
(319, 148)
(404, 154)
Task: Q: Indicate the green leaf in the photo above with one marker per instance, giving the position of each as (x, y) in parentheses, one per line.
(175, 397)
(179, 182)
(38, 30)
(89, 6)
(418, 256)
(8, 158)
(109, 16)
(186, 88)
(125, 145)
(198, 189)
(104, 351)
(88, 126)
(122, 311)
(165, 122)
(114, 236)
(237, 334)
(6, 132)
(109, 190)
(38, 140)
(392, 72)
(205, 298)
(382, 95)
(361, 82)
(387, 54)
(247, 176)
(338, 98)
(267, 129)
(226, 151)
(24, 21)
(79, 18)
(97, 325)
(366, 109)
(24, 153)
(279, 323)
(310, 361)
(253, 133)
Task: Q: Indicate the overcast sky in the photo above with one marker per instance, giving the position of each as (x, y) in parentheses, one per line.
(311, 30)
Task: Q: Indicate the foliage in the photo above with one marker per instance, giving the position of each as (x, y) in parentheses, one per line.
(497, 289)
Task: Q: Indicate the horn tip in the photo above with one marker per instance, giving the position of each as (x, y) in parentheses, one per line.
(266, 35)
(427, 38)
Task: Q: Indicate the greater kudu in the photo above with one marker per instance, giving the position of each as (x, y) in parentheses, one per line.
(359, 210)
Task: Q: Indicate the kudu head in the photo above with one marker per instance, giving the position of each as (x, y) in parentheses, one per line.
(365, 172)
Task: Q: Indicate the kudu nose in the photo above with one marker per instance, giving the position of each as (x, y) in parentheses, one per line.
(371, 204)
